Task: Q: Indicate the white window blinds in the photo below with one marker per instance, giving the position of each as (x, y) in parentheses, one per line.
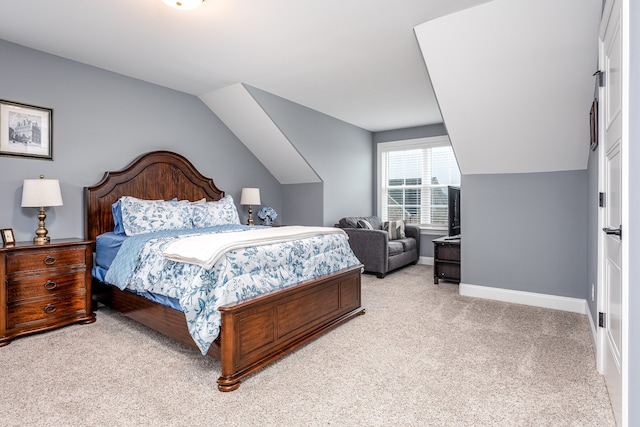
(413, 179)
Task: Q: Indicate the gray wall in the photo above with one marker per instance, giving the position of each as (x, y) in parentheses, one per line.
(633, 232)
(302, 204)
(102, 121)
(340, 154)
(526, 232)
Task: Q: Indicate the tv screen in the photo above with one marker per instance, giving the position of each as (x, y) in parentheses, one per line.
(454, 211)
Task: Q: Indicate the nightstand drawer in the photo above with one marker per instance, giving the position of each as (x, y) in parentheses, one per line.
(448, 252)
(46, 309)
(21, 288)
(448, 272)
(45, 259)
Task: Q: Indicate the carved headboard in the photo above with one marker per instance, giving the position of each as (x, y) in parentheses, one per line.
(158, 175)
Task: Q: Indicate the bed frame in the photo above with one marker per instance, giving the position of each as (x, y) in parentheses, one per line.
(254, 332)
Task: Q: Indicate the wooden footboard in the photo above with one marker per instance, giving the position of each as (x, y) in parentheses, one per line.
(259, 331)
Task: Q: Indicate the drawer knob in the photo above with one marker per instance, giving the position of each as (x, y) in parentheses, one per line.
(50, 285)
(50, 309)
(49, 260)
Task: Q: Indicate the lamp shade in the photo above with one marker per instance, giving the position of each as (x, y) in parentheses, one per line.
(41, 193)
(250, 196)
(184, 4)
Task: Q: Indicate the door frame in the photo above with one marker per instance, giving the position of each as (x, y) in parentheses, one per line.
(624, 149)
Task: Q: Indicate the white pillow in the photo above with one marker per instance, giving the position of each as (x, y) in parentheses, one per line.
(209, 214)
(146, 216)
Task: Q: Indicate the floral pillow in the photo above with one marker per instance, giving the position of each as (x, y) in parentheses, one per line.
(116, 210)
(208, 214)
(146, 216)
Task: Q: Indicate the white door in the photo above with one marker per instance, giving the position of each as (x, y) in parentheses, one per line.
(610, 302)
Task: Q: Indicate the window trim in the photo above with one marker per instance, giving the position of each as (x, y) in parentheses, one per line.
(407, 144)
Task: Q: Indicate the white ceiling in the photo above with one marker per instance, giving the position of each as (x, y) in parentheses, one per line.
(355, 60)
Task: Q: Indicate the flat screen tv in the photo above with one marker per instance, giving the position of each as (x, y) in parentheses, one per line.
(454, 211)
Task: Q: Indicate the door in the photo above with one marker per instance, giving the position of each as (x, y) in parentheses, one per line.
(610, 300)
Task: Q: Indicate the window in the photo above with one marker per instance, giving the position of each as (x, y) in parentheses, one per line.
(413, 176)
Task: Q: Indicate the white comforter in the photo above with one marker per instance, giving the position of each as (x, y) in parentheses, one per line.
(205, 249)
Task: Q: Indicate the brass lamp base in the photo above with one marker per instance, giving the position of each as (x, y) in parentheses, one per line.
(41, 240)
(41, 233)
(250, 222)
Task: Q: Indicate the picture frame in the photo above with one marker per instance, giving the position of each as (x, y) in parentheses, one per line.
(8, 238)
(593, 124)
(26, 130)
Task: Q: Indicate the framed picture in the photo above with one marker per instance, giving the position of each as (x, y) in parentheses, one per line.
(26, 130)
(593, 124)
(8, 239)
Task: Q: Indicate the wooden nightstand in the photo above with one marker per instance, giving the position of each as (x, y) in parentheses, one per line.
(43, 287)
(446, 260)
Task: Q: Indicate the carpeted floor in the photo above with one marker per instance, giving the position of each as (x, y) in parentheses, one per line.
(421, 356)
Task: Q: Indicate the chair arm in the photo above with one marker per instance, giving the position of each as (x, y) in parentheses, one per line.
(371, 247)
(411, 230)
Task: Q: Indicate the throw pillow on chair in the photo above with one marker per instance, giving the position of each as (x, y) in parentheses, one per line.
(363, 223)
(395, 229)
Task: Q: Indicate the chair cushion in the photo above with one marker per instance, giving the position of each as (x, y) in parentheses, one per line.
(395, 247)
(408, 243)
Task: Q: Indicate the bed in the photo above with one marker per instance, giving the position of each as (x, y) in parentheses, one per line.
(254, 331)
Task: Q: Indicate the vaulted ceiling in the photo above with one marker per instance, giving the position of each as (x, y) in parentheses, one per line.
(499, 71)
(355, 60)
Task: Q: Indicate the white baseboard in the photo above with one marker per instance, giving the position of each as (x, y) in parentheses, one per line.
(575, 305)
(425, 260)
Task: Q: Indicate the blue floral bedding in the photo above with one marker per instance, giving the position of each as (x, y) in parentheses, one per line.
(240, 274)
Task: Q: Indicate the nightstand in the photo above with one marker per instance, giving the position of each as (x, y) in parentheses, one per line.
(446, 260)
(43, 287)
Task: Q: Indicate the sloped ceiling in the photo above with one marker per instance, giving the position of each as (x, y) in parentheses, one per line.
(514, 82)
(235, 106)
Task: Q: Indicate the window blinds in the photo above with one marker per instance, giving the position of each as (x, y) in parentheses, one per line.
(413, 181)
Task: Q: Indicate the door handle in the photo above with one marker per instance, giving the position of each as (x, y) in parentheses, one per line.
(613, 231)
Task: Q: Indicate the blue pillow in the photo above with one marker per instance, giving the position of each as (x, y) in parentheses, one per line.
(117, 218)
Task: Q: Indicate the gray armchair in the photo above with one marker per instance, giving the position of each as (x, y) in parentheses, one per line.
(375, 250)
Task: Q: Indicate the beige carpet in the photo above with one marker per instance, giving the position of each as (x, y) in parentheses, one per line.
(421, 356)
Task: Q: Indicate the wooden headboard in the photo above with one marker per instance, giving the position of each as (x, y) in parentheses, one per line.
(158, 175)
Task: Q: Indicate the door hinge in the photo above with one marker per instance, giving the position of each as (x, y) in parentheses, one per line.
(600, 76)
(602, 198)
(601, 319)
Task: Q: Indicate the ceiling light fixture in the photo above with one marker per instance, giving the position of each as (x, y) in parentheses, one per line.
(184, 4)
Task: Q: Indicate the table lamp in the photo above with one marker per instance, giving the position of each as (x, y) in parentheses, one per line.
(250, 196)
(41, 193)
